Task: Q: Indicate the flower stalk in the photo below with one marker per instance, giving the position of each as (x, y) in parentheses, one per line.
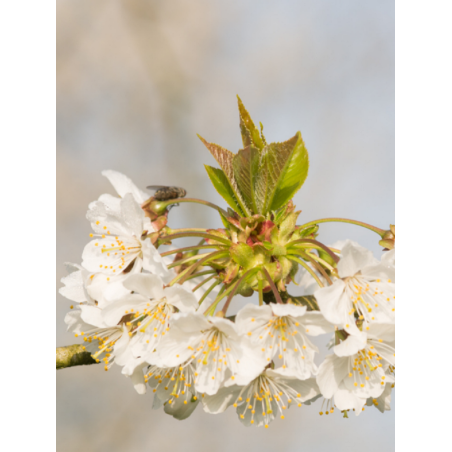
(380, 232)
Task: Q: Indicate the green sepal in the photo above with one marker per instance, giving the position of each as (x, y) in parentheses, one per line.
(225, 222)
(279, 250)
(231, 272)
(278, 215)
(287, 226)
(326, 257)
(309, 231)
(242, 254)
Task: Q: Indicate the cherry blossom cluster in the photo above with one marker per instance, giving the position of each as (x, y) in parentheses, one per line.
(158, 320)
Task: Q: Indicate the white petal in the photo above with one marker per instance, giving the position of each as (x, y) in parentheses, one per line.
(123, 185)
(250, 366)
(122, 353)
(379, 271)
(353, 259)
(93, 316)
(217, 403)
(74, 287)
(138, 380)
(149, 286)
(288, 309)
(154, 263)
(114, 312)
(190, 323)
(251, 311)
(333, 302)
(388, 258)
(382, 350)
(225, 326)
(110, 203)
(112, 291)
(74, 322)
(331, 372)
(174, 349)
(132, 215)
(308, 389)
(317, 323)
(351, 345)
(346, 400)
(384, 331)
(184, 300)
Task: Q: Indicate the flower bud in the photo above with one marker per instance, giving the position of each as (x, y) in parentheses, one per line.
(388, 241)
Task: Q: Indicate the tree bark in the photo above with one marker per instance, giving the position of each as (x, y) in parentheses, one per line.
(72, 355)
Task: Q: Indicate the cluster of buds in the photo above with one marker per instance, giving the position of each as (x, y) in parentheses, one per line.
(161, 313)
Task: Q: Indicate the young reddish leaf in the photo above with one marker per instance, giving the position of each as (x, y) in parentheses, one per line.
(224, 158)
(245, 164)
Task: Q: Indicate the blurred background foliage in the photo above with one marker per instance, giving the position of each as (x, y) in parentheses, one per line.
(136, 80)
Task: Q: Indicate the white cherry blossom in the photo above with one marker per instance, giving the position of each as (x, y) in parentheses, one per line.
(265, 397)
(148, 310)
(121, 243)
(364, 286)
(107, 342)
(95, 289)
(383, 402)
(174, 388)
(123, 185)
(75, 284)
(282, 330)
(214, 348)
(359, 369)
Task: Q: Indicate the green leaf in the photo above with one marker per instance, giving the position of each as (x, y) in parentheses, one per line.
(282, 170)
(245, 164)
(221, 184)
(250, 133)
(293, 174)
(273, 161)
(225, 158)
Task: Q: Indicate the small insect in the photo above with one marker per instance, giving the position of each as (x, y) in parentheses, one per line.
(163, 193)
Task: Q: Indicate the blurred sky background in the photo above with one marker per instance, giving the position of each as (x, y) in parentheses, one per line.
(136, 80)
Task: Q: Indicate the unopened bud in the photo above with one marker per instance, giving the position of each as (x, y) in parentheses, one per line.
(388, 241)
(154, 208)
